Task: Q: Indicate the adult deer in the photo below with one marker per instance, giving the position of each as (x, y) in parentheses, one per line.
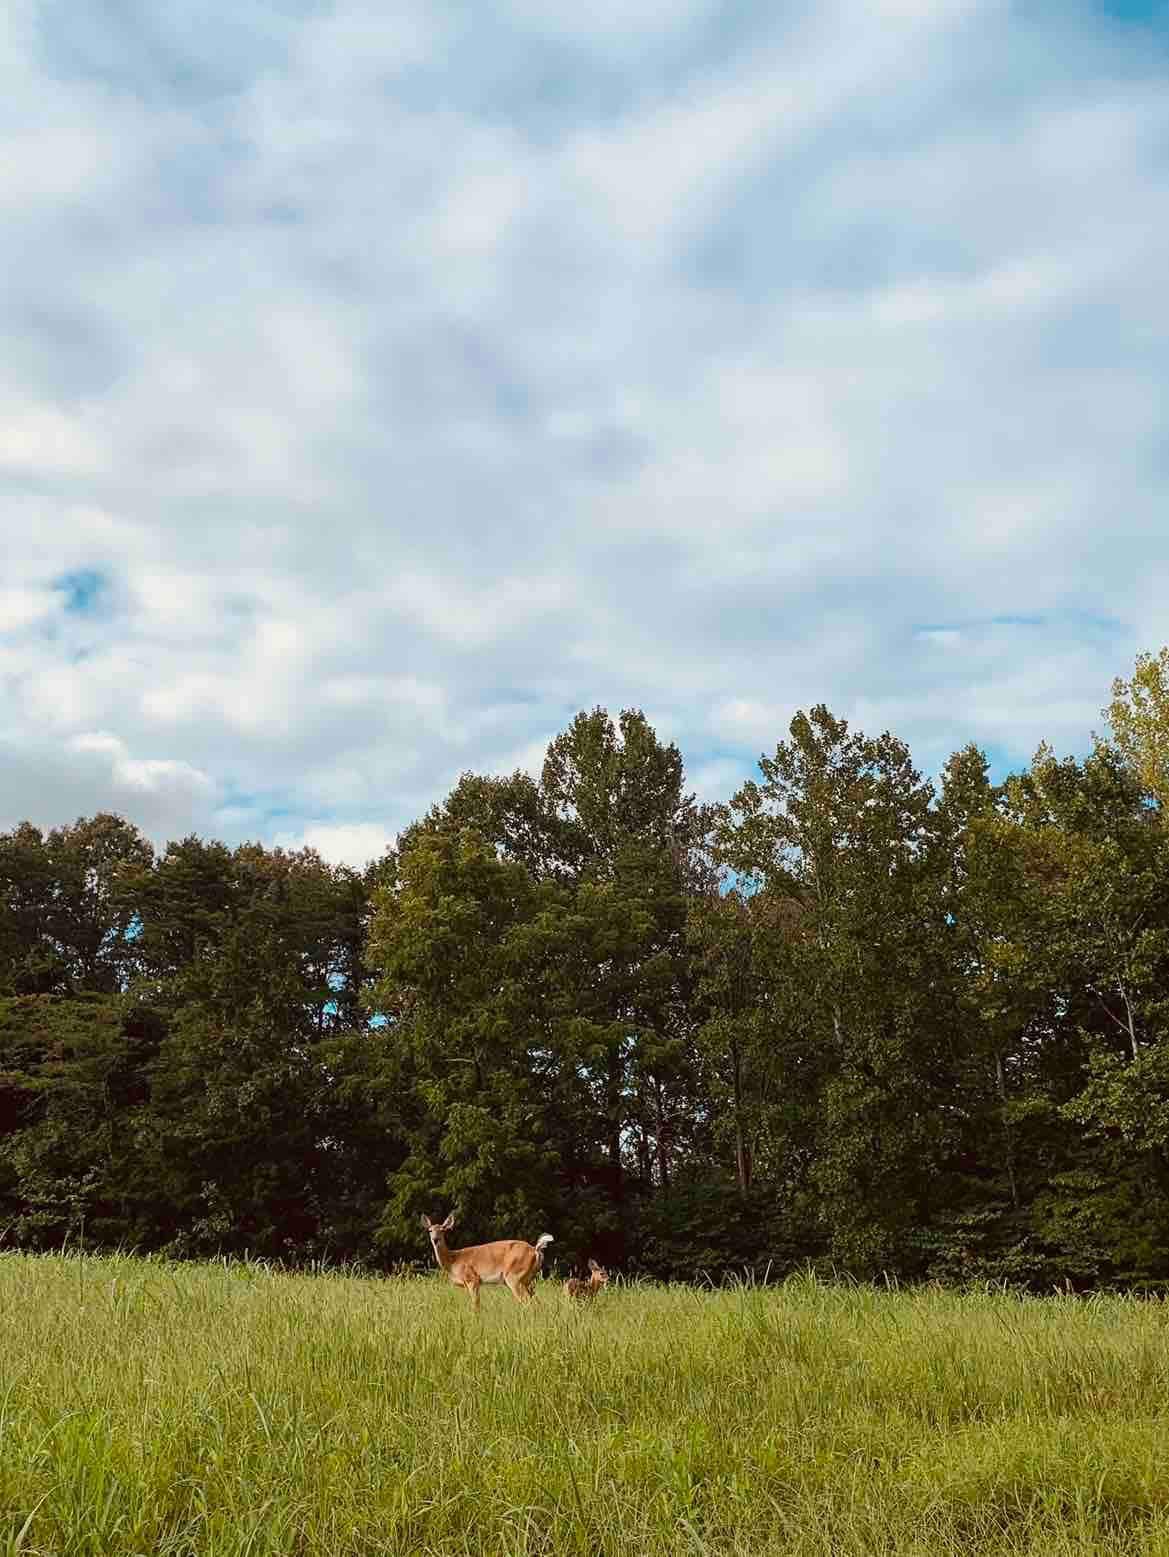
(576, 1288)
(507, 1260)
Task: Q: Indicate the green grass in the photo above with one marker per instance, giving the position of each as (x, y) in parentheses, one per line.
(156, 1408)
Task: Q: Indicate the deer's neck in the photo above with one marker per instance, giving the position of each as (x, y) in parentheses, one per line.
(442, 1254)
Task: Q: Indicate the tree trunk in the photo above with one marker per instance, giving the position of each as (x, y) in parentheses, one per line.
(742, 1150)
(663, 1130)
(1130, 1022)
(613, 1122)
(1008, 1138)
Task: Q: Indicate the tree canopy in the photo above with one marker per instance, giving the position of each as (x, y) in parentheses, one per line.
(851, 1016)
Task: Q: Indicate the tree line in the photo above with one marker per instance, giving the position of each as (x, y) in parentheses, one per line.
(850, 1017)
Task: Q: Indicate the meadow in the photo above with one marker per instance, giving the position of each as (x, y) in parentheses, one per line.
(157, 1408)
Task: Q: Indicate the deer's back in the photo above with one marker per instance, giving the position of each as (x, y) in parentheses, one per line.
(492, 1261)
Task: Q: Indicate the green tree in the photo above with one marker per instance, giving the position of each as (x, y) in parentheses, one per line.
(629, 843)
(449, 939)
(1066, 885)
(1138, 717)
(591, 968)
(74, 1089)
(839, 826)
(68, 921)
(751, 1011)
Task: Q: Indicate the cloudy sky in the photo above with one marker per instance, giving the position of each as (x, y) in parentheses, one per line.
(382, 381)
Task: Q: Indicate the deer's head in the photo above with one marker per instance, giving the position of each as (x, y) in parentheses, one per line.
(438, 1230)
(597, 1276)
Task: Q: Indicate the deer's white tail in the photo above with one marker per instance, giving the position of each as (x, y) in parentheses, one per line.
(542, 1242)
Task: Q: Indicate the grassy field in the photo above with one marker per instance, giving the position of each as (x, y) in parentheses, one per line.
(155, 1408)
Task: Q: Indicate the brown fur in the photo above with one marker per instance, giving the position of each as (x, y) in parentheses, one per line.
(509, 1261)
(576, 1288)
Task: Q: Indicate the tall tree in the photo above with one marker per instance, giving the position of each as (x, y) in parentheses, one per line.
(751, 1012)
(839, 826)
(68, 920)
(607, 842)
(1138, 717)
(450, 940)
(74, 1090)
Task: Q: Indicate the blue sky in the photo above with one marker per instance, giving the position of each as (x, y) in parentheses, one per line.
(382, 382)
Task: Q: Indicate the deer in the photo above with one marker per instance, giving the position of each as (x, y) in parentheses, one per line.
(575, 1287)
(508, 1260)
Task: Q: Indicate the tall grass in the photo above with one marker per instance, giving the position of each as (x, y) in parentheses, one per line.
(156, 1408)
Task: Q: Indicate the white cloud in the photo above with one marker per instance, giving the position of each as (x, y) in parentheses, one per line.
(413, 377)
(54, 782)
(354, 843)
(749, 723)
(528, 758)
(40, 439)
(1006, 290)
(469, 618)
(22, 607)
(718, 780)
(641, 183)
(51, 164)
(144, 776)
(608, 23)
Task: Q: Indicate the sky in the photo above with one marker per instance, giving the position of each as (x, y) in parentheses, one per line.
(383, 382)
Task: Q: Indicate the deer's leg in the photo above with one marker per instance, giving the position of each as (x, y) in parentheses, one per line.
(518, 1290)
(471, 1282)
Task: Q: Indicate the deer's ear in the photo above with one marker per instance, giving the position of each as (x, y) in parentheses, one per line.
(449, 1223)
(425, 1220)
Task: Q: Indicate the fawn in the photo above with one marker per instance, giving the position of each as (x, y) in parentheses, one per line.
(576, 1288)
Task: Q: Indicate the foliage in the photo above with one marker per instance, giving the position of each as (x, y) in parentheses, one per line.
(1138, 716)
(839, 830)
(847, 1018)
